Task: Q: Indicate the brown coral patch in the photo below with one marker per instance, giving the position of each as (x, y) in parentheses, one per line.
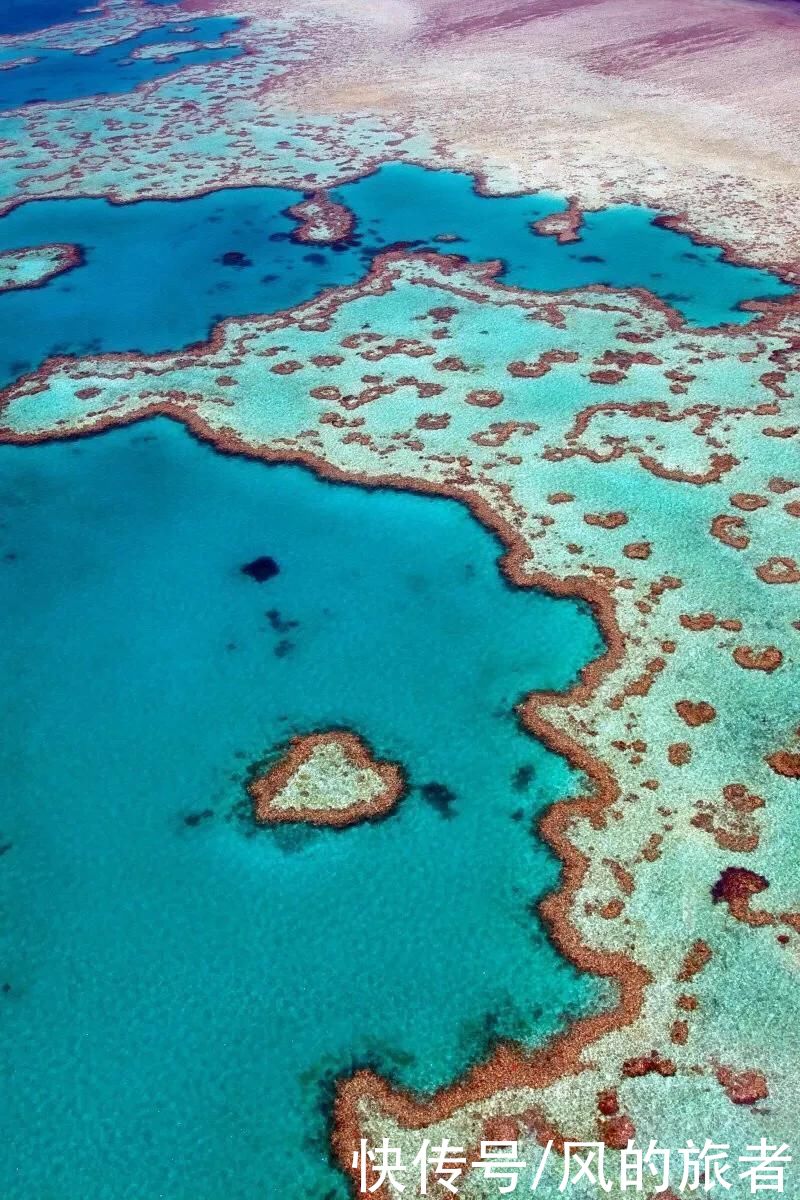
(432, 421)
(637, 550)
(736, 887)
(785, 763)
(679, 1032)
(608, 1102)
(767, 660)
(694, 713)
(679, 754)
(781, 486)
(731, 822)
(499, 432)
(748, 501)
(286, 368)
(697, 958)
(484, 398)
(648, 1064)
(542, 365)
(779, 569)
(607, 375)
(611, 520)
(699, 622)
(724, 528)
(743, 1087)
(617, 1131)
(740, 799)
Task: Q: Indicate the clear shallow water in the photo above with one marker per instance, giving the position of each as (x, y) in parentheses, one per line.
(59, 75)
(619, 246)
(156, 278)
(180, 995)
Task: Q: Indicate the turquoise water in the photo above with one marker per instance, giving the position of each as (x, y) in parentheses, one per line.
(156, 277)
(58, 75)
(179, 989)
(619, 246)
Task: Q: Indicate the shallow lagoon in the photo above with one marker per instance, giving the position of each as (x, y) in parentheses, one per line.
(156, 275)
(57, 75)
(180, 995)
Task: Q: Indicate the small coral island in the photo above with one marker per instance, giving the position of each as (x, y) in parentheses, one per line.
(326, 778)
(33, 266)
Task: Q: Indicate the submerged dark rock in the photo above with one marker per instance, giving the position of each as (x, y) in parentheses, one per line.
(261, 569)
(522, 778)
(440, 797)
(195, 818)
(235, 258)
(279, 623)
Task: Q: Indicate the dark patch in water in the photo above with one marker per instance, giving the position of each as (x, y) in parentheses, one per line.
(522, 777)
(242, 809)
(194, 819)
(261, 569)
(283, 648)
(278, 623)
(235, 258)
(440, 797)
(291, 839)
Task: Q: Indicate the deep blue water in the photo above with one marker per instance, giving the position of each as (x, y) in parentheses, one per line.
(177, 996)
(155, 276)
(66, 75)
(25, 16)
